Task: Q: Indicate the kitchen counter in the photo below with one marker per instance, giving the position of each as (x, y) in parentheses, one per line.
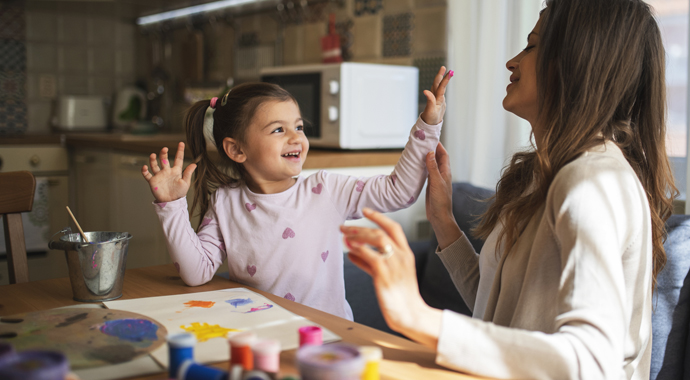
(147, 144)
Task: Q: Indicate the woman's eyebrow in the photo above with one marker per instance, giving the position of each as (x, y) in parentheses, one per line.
(531, 33)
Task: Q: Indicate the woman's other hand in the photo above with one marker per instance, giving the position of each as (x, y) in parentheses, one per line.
(395, 277)
(439, 198)
(168, 183)
(436, 99)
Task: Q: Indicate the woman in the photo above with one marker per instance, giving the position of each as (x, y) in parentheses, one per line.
(574, 238)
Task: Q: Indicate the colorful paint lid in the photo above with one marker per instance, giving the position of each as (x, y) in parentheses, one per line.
(331, 361)
(242, 339)
(182, 340)
(371, 353)
(35, 365)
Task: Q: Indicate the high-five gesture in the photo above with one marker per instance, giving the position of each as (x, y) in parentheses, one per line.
(168, 183)
(436, 99)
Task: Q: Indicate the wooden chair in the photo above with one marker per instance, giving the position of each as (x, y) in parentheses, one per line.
(16, 196)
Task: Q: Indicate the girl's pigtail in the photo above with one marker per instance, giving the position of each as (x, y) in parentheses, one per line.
(207, 177)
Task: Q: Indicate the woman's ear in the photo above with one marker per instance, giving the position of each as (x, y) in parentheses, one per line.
(233, 150)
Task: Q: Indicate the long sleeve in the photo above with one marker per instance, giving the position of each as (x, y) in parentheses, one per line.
(462, 263)
(197, 256)
(386, 193)
(593, 247)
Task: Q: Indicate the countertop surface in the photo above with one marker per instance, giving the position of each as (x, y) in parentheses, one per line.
(147, 144)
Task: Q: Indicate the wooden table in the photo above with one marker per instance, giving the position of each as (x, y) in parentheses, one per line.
(403, 359)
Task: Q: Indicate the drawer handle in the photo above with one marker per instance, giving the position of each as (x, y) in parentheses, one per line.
(35, 160)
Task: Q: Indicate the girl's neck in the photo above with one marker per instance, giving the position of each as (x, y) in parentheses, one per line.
(270, 187)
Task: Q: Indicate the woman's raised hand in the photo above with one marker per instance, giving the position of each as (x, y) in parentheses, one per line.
(168, 183)
(439, 197)
(394, 276)
(436, 99)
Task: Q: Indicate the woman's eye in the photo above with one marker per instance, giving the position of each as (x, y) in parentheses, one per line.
(528, 48)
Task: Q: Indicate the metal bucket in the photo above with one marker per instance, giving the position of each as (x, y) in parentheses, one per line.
(96, 269)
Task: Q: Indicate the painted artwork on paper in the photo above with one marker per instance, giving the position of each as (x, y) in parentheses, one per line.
(212, 316)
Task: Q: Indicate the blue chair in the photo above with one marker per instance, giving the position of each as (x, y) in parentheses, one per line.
(671, 316)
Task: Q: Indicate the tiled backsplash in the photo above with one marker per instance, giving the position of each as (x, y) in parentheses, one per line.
(12, 68)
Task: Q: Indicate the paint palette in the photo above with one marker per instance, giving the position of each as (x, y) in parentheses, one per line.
(88, 337)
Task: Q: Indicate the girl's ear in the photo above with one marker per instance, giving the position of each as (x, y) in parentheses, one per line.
(233, 150)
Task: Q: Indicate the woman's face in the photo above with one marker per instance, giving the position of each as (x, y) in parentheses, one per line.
(521, 97)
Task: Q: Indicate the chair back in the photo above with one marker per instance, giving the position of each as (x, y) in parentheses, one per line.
(671, 315)
(16, 196)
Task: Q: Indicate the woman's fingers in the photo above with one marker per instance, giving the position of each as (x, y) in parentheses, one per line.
(443, 160)
(179, 155)
(361, 264)
(154, 164)
(388, 225)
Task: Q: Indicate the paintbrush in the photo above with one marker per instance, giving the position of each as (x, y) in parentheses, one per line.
(78, 226)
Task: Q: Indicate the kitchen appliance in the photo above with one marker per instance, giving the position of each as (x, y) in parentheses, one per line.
(83, 113)
(352, 105)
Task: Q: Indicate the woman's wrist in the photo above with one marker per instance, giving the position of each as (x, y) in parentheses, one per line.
(447, 231)
(423, 325)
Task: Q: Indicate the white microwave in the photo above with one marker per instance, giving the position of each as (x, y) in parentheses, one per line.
(352, 105)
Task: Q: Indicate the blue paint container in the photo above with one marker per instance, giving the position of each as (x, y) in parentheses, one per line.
(180, 349)
(6, 352)
(35, 365)
(193, 371)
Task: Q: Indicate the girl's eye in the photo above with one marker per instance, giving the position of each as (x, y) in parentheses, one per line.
(300, 127)
(279, 129)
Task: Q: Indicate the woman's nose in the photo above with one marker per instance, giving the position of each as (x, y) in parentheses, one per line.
(512, 64)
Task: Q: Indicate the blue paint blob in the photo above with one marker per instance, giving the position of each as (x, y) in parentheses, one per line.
(239, 301)
(133, 330)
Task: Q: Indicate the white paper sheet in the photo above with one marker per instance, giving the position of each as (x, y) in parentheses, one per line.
(237, 308)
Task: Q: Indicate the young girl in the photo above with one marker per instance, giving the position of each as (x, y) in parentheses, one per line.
(275, 228)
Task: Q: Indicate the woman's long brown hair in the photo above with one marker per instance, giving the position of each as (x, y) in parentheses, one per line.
(601, 77)
(231, 118)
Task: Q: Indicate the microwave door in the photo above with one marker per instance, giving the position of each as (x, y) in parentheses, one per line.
(306, 88)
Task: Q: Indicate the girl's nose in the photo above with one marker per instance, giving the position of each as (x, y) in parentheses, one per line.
(294, 136)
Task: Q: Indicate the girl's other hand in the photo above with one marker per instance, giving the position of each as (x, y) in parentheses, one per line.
(436, 99)
(168, 183)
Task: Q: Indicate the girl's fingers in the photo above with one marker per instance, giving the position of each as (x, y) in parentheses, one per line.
(154, 164)
(441, 89)
(145, 173)
(179, 156)
(164, 158)
(438, 78)
(187, 174)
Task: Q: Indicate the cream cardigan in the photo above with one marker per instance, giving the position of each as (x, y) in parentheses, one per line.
(573, 300)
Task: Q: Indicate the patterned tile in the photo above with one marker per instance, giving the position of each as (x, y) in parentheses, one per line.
(248, 39)
(344, 30)
(12, 22)
(368, 7)
(12, 55)
(13, 85)
(397, 35)
(428, 67)
(12, 116)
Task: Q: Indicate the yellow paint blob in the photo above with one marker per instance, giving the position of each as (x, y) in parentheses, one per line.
(205, 331)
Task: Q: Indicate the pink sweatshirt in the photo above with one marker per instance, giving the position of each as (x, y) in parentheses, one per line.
(288, 243)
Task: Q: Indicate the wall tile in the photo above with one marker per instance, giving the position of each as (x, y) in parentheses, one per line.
(125, 34)
(12, 55)
(39, 114)
(12, 23)
(72, 59)
(398, 6)
(73, 85)
(13, 85)
(293, 45)
(41, 26)
(102, 61)
(312, 42)
(124, 62)
(344, 30)
(267, 28)
(101, 31)
(430, 3)
(397, 31)
(41, 57)
(101, 86)
(72, 28)
(367, 37)
(12, 116)
(429, 35)
(428, 67)
(367, 7)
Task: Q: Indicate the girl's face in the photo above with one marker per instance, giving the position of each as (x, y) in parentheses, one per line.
(275, 148)
(521, 97)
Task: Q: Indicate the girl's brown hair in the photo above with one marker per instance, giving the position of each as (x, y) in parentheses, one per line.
(232, 116)
(601, 77)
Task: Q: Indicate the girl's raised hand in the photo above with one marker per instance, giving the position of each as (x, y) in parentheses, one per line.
(436, 99)
(168, 183)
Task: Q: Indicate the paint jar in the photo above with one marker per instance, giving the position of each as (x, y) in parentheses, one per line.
(236, 372)
(6, 352)
(35, 365)
(372, 357)
(257, 375)
(193, 371)
(267, 356)
(338, 361)
(180, 349)
(241, 350)
(310, 335)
